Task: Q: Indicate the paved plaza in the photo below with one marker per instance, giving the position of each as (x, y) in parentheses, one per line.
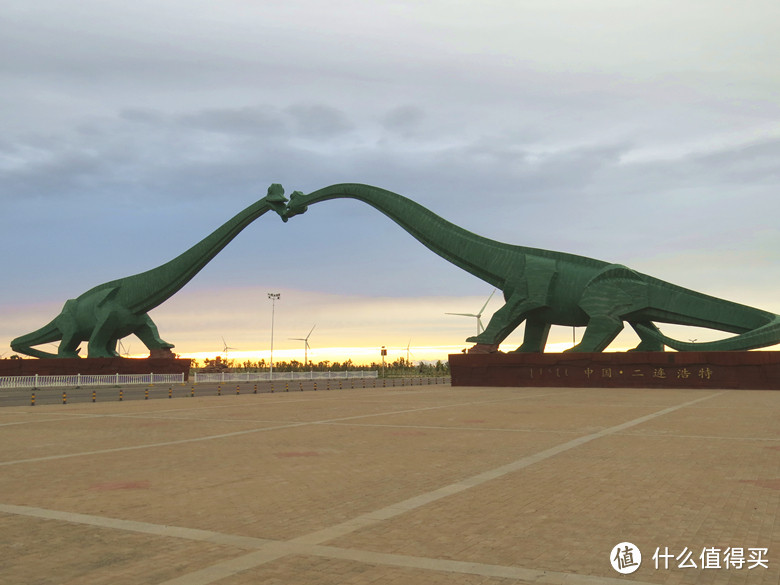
(407, 485)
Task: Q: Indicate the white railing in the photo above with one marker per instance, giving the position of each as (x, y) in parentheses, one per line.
(199, 378)
(81, 380)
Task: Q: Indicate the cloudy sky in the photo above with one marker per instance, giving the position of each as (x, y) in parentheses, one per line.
(641, 133)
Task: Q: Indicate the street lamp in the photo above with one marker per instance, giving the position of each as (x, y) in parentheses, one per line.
(274, 297)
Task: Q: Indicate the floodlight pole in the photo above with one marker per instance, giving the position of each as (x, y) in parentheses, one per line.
(274, 297)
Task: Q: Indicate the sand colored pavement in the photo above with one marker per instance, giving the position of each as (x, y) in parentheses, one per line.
(426, 484)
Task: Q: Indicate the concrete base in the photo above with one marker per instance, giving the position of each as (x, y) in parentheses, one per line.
(93, 366)
(756, 370)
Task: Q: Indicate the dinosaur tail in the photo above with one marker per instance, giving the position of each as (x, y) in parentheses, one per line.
(763, 336)
(46, 334)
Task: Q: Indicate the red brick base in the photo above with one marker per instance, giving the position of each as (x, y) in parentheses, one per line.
(757, 370)
(86, 366)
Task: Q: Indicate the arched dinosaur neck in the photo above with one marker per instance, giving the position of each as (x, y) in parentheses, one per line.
(484, 258)
(144, 291)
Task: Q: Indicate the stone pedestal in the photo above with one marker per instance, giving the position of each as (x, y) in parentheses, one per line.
(94, 366)
(758, 370)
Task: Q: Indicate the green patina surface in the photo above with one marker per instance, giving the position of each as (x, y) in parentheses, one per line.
(108, 312)
(544, 288)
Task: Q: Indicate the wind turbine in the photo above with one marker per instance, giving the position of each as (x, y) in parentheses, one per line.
(480, 327)
(124, 350)
(306, 346)
(408, 353)
(225, 349)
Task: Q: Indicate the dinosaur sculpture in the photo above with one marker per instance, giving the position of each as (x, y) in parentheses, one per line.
(108, 312)
(545, 288)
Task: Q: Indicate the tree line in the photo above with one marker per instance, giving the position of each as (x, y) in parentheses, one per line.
(399, 367)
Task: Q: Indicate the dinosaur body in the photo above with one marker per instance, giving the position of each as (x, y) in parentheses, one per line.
(544, 288)
(110, 311)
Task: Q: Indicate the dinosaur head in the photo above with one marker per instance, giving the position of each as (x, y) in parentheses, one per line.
(276, 199)
(296, 206)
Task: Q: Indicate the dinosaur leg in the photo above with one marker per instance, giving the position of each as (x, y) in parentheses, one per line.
(526, 292)
(111, 347)
(69, 346)
(536, 332)
(102, 342)
(647, 343)
(66, 322)
(148, 334)
(600, 332)
(613, 293)
(506, 320)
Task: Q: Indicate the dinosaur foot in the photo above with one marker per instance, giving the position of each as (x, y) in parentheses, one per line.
(484, 348)
(648, 346)
(164, 353)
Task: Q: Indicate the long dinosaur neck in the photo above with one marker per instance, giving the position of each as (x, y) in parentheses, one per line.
(487, 259)
(146, 290)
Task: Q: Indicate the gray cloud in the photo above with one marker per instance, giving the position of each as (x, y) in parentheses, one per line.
(319, 121)
(257, 121)
(405, 120)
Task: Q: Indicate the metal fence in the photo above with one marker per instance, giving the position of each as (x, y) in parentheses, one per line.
(82, 380)
(266, 376)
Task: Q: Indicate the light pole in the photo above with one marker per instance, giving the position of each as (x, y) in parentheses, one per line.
(274, 297)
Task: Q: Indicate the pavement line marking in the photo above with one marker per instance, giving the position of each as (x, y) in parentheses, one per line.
(426, 408)
(32, 422)
(337, 420)
(247, 542)
(446, 428)
(239, 564)
(542, 431)
(402, 507)
(708, 437)
(266, 551)
(150, 445)
(249, 431)
(232, 567)
(463, 567)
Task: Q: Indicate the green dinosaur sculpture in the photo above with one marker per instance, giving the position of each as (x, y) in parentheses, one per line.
(108, 312)
(545, 288)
